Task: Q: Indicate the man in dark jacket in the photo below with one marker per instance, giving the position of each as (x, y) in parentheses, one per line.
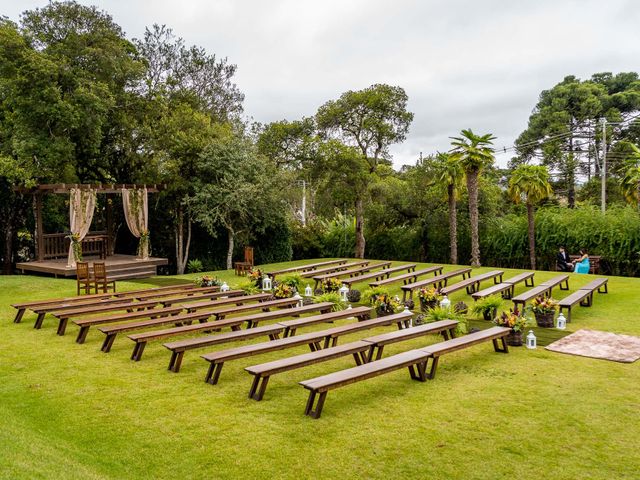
(563, 261)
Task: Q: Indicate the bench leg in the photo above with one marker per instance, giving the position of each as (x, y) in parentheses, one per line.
(564, 285)
(82, 334)
(452, 332)
(108, 342)
(498, 348)
(176, 361)
(603, 289)
(434, 366)
(213, 374)
(357, 358)
(38, 324)
(529, 282)
(136, 355)
(258, 387)
(587, 302)
(19, 315)
(568, 313)
(417, 371)
(309, 410)
(62, 326)
(445, 335)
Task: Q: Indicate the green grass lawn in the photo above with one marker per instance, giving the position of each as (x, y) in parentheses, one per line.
(70, 411)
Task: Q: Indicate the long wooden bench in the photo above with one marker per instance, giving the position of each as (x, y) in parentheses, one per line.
(141, 339)
(545, 289)
(415, 360)
(223, 312)
(582, 296)
(438, 281)
(408, 277)
(335, 268)
(149, 308)
(377, 343)
(506, 288)
(354, 272)
(561, 281)
(305, 268)
(111, 331)
(363, 351)
(313, 339)
(291, 326)
(472, 284)
(87, 299)
(379, 275)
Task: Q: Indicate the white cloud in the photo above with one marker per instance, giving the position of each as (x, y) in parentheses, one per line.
(463, 63)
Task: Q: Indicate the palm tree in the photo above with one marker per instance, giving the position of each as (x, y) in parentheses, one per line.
(530, 183)
(631, 176)
(474, 153)
(449, 174)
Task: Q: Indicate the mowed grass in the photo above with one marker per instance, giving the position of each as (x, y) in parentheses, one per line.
(70, 411)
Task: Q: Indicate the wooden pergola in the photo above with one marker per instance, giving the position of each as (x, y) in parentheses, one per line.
(55, 245)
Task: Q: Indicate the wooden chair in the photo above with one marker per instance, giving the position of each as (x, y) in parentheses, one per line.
(83, 279)
(100, 280)
(243, 267)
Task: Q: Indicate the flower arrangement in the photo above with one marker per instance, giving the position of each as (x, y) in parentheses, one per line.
(544, 305)
(331, 285)
(512, 319)
(283, 290)
(207, 281)
(429, 294)
(76, 244)
(385, 304)
(256, 277)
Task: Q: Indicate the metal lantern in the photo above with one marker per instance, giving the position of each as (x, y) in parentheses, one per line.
(299, 299)
(224, 287)
(308, 291)
(350, 308)
(531, 340)
(343, 292)
(445, 303)
(266, 283)
(406, 309)
(562, 322)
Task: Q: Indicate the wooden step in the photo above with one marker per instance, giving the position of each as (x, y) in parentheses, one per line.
(132, 275)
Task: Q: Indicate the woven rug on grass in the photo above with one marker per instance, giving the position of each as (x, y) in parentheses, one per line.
(595, 344)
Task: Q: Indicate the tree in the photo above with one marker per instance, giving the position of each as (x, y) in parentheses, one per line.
(530, 183)
(450, 175)
(631, 175)
(235, 189)
(474, 153)
(370, 121)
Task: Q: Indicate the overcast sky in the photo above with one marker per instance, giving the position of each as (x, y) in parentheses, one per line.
(477, 64)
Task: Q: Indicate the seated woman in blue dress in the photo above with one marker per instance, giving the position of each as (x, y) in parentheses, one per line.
(582, 264)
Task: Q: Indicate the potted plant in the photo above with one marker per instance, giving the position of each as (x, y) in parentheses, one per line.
(385, 304)
(208, 281)
(331, 285)
(487, 306)
(517, 322)
(544, 309)
(429, 298)
(283, 290)
(437, 314)
(256, 277)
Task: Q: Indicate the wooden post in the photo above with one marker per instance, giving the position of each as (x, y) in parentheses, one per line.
(39, 233)
(109, 211)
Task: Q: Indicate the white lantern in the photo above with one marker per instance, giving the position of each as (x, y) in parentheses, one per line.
(343, 292)
(308, 291)
(531, 340)
(445, 303)
(350, 308)
(224, 287)
(406, 309)
(299, 299)
(266, 283)
(562, 322)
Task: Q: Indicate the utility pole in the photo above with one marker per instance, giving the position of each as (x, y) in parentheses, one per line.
(603, 171)
(304, 203)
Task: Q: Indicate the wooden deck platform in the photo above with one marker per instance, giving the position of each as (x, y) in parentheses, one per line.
(119, 267)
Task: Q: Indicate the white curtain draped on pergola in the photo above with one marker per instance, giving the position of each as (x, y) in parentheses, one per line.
(82, 204)
(136, 213)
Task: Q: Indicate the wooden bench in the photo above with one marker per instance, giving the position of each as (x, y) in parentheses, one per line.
(472, 284)
(52, 304)
(305, 268)
(524, 297)
(408, 277)
(141, 339)
(438, 281)
(313, 339)
(112, 331)
(377, 343)
(264, 306)
(599, 284)
(354, 272)
(415, 360)
(583, 296)
(507, 287)
(594, 263)
(561, 281)
(359, 313)
(383, 274)
(335, 268)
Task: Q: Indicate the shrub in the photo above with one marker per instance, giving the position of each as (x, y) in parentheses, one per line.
(487, 306)
(194, 266)
(437, 314)
(354, 296)
(461, 308)
(333, 297)
(293, 280)
(248, 287)
(207, 281)
(370, 294)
